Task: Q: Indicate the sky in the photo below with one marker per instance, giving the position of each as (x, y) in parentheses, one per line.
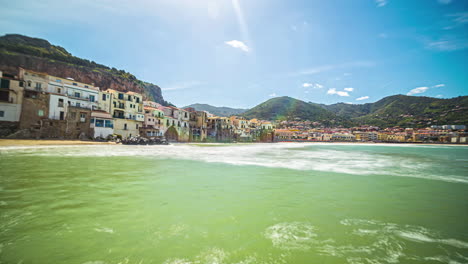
(239, 53)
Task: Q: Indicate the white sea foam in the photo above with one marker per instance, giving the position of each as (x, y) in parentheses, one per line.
(297, 156)
(104, 230)
(294, 235)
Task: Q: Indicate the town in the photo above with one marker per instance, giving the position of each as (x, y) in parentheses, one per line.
(38, 105)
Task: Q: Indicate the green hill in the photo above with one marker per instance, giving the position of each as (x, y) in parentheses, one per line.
(218, 111)
(402, 110)
(287, 108)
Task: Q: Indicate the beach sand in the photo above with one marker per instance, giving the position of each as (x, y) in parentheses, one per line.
(48, 142)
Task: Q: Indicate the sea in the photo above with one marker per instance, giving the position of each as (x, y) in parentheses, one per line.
(272, 203)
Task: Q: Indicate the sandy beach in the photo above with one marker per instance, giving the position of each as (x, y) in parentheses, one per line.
(48, 142)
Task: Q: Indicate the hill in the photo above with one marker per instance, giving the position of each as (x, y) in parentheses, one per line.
(403, 110)
(287, 108)
(39, 55)
(218, 111)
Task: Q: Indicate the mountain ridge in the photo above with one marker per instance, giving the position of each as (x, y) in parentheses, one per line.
(217, 110)
(40, 55)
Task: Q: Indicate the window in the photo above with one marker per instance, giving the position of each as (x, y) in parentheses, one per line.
(60, 103)
(91, 98)
(73, 115)
(77, 94)
(21, 83)
(99, 123)
(130, 98)
(78, 105)
(59, 90)
(103, 97)
(29, 83)
(40, 112)
(121, 96)
(62, 115)
(109, 123)
(125, 126)
(5, 84)
(38, 86)
(136, 126)
(58, 80)
(75, 84)
(86, 86)
(92, 120)
(137, 99)
(2, 113)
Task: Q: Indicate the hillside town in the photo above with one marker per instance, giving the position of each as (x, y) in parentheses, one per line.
(38, 105)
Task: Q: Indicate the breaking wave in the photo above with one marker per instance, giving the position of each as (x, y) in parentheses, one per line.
(338, 158)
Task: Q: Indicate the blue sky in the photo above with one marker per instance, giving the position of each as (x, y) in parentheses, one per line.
(240, 53)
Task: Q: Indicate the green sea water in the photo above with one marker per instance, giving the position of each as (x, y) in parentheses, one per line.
(234, 203)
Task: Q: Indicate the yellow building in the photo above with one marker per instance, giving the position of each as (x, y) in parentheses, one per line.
(127, 110)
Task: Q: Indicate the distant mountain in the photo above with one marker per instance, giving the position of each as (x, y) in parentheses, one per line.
(39, 55)
(287, 108)
(396, 110)
(402, 110)
(218, 111)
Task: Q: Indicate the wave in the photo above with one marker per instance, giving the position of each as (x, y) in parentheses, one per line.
(347, 158)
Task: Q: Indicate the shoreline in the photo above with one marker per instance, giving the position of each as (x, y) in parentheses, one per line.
(63, 142)
(49, 142)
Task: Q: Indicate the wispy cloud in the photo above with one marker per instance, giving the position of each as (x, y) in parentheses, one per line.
(333, 91)
(423, 89)
(439, 96)
(325, 68)
(381, 3)
(238, 45)
(444, 2)
(182, 85)
(450, 43)
(349, 89)
(456, 20)
(383, 35)
(313, 85)
(272, 95)
(362, 98)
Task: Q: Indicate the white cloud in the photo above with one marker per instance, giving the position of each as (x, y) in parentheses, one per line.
(183, 85)
(334, 91)
(362, 98)
(381, 3)
(238, 45)
(418, 90)
(439, 96)
(313, 85)
(423, 89)
(349, 89)
(272, 95)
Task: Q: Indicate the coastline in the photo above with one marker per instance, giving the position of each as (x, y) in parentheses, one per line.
(60, 142)
(48, 142)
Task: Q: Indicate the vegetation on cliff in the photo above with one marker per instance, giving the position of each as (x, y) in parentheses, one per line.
(38, 54)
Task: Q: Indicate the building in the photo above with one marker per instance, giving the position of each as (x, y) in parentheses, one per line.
(102, 124)
(11, 97)
(126, 109)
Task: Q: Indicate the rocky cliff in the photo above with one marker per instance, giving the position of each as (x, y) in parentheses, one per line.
(39, 55)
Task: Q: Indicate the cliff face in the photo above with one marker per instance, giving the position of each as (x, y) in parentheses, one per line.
(39, 55)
